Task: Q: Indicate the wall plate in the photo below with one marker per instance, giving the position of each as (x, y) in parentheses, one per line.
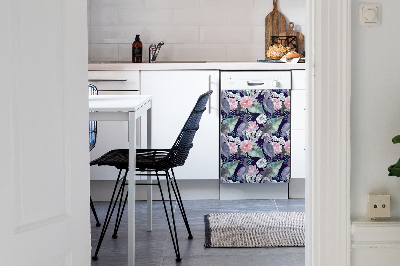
(369, 14)
(378, 206)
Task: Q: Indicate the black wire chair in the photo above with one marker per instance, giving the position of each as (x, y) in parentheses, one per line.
(92, 143)
(154, 160)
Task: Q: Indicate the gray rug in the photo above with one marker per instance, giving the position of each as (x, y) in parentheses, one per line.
(271, 229)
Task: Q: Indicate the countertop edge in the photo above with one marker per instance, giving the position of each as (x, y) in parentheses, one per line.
(195, 66)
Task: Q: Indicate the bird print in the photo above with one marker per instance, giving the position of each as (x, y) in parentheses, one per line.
(224, 104)
(243, 126)
(224, 148)
(268, 148)
(268, 104)
(243, 170)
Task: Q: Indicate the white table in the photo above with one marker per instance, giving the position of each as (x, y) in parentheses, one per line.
(127, 108)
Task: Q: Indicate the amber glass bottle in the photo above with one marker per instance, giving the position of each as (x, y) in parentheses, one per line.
(137, 50)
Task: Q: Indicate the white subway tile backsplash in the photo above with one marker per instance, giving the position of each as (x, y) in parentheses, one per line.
(224, 34)
(125, 52)
(199, 16)
(246, 53)
(173, 34)
(145, 17)
(246, 17)
(119, 3)
(226, 3)
(105, 16)
(172, 3)
(192, 30)
(104, 52)
(199, 52)
(214, 3)
(115, 34)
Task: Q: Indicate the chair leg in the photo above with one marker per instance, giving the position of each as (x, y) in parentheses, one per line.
(180, 203)
(94, 213)
(120, 212)
(174, 239)
(109, 213)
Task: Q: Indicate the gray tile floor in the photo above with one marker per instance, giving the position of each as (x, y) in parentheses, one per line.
(155, 248)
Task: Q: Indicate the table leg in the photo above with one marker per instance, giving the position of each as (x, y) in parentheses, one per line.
(149, 178)
(132, 190)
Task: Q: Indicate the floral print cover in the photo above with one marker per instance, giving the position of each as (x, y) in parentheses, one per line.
(255, 136)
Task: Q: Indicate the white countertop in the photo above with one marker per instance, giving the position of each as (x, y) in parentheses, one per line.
(196, 66)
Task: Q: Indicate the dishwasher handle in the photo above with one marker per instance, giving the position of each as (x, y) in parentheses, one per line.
(249, 83)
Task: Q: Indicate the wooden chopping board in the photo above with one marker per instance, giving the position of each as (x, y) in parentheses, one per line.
(275, 23)
(299, 36)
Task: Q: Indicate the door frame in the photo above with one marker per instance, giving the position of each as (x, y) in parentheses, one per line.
(328, 46)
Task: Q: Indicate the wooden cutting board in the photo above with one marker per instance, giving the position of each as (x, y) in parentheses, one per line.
(299, 36)
(275, 23)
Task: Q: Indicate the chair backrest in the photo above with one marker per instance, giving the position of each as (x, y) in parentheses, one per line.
(92, 124)
(180, 150)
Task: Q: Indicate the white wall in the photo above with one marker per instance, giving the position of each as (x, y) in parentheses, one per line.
(375, 108)
(193, 30)
(375, 120)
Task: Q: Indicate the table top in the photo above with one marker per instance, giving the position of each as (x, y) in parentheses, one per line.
(117, 103)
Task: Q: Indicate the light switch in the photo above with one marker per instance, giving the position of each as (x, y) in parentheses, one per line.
(378, 206)
(369, 14)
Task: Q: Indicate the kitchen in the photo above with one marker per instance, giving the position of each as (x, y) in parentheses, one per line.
(27, 58)
(200, 39)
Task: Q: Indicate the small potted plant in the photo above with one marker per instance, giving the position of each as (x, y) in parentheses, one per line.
(394, 170)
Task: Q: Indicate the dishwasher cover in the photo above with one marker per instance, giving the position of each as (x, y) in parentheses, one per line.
(255, 136)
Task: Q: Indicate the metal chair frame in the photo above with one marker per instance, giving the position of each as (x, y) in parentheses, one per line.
(92, 143)
(154, 161)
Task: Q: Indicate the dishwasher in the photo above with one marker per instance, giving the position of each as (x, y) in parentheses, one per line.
(255, 126)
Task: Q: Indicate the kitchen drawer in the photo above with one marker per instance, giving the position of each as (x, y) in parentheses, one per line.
(255, 80)
(298, 79)
(298, 109)
(115, 80)
(298, 153)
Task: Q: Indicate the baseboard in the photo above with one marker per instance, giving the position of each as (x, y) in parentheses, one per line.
(297, 188)
(375, 242)
(254, 191)
(101, 190)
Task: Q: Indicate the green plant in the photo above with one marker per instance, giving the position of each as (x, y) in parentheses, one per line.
(394, 170)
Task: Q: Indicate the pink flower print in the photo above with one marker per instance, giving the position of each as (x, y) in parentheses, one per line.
(252, 170)
(252, 126)
(287, 102)
(232, 103)
(277, 103)
(232, 147)
(277, 147)
(246, 146)
(246, 101)
(287, 146)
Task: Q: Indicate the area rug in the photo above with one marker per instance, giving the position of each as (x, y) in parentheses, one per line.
(238, 230)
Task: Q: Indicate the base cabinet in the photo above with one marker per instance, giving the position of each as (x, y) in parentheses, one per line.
(174, 96)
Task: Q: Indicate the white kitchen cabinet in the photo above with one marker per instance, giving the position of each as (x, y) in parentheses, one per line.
(298, 124)
(174, 96)
(112, 134)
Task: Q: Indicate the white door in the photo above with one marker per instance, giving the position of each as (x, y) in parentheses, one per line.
(44, 172)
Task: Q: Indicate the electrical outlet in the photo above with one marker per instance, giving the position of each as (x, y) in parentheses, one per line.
(378, 206)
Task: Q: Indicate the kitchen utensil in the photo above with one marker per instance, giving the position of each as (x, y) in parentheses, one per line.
(300, 37)
(275, 23)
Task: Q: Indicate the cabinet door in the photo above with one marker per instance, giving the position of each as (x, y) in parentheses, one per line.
(298, 153)
(174, 96)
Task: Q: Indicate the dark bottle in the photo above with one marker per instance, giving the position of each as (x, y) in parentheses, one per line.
(137, 50)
